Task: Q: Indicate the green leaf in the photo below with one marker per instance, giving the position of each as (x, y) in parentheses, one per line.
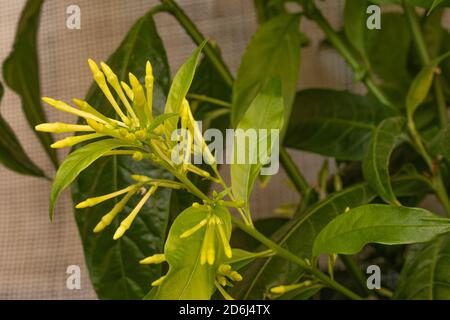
(273, 51)
(377, 223)
(421, 85)
(333, 123)
(76, 162)
(12, 154)
(21, 72)
(180, 87)
(355, 18)
(298, 237)
(385, 138)
(187, 279)
(434, 5)
(425, 274)
(114, 266)
(265, 112)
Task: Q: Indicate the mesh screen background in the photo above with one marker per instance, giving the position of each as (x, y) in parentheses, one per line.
(34, 253)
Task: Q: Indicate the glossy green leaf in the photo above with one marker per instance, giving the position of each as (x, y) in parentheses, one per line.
(334, 123)
(386, 136)
(273, 51)
(377, 223)
(21, 72)
(265, 112)
(12, 154)
(114, 266)
(76, 162)
(298, 237)
(187, 279)
(434, 5)
(421, 85)
(179, 89)
(425, 275)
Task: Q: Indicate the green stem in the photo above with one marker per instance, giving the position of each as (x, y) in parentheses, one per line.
(204, 98)
(293, 258)
(414, 26)
(441, 192)
(353, 268)
(301, 185)
(210, 52)
(345, 51)
(245, 215)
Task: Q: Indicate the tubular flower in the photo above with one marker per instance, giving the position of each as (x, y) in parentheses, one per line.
(214, 232)
(136, 126)
(224, 276)
(135, 115)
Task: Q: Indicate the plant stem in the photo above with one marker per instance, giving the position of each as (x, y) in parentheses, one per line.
(210, 52)
(293, 258)
(204, 98)
(299, 181)
(313, 13)
(353, 268)
(424, 55)
(414, 26)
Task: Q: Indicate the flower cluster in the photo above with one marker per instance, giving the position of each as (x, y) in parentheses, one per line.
(136, 125)
(146, 136)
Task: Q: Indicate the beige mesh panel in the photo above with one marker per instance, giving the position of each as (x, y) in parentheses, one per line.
(34, 253)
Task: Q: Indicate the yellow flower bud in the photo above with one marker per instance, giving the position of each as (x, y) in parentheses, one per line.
(140, 178)
(288, 288)
(197, 171)
(127, 90)
(118, 207)
(130, 137)
(138, 156)
(84, 106)
(223, 238)
(114, 82)
(149, 88)
(224, 269)
(59, 127)
(154, 259)
(96, 200)
(235, 276)
(126, 223)
(194, 229)
(222, 280)
(139, 97)
(71, 141)
(210, 238)
(141, 135)
(62, 106)
(158, 281)
(99, 78)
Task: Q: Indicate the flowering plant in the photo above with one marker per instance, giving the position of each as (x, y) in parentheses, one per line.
(159, 221)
